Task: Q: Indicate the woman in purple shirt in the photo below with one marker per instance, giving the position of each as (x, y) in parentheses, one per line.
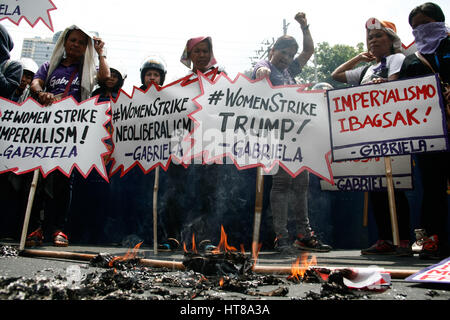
(71, 71)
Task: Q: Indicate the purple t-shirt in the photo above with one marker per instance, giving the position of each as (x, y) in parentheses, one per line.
(58, 80)
(279, 77)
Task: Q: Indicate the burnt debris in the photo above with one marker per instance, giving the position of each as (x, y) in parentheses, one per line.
(8, 251)
(218, 264)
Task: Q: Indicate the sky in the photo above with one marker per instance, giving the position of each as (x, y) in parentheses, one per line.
(133, 29)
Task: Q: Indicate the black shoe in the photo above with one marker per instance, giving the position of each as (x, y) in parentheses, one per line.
(311, 243)
(282, 245)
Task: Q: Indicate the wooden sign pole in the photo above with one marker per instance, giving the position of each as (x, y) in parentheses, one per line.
(155, 212)
(391, 197)
(258, 209)
(28, 210)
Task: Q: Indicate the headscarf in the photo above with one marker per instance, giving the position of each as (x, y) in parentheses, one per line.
(191, 44)
(89, 71)
(428, 36)
(389, 28)
(6, 44)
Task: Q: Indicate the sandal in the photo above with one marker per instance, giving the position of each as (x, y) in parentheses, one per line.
(60, 239)
(35, 238)
(171, 244)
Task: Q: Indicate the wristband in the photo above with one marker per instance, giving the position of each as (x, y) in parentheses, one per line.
(305, 27)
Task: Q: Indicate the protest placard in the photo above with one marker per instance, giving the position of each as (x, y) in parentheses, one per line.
(30, 10)
(65, 135)
(387, 119)
(437, 273)
(257, 124)
(150, 127)
(369, 175)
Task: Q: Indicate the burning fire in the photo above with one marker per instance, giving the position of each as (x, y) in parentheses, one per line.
(223, 244)
(300, 266)
(194, 247)
(131, 254)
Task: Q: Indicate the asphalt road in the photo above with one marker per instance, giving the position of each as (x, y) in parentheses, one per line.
(181, 289)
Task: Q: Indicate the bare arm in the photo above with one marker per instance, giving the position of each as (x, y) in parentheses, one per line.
(37, 90)
(103, 71)
(308, 43)
(339, 73)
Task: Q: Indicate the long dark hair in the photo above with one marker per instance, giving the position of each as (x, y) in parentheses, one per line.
(428, 9)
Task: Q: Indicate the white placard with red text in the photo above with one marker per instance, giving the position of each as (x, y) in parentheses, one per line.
(387, 119)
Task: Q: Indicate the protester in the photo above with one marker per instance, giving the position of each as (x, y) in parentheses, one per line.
(384, 48)
(198, 56)
(10, 70)
(281, 68)
(154, 70)
(109, 89)
(21, 183)
(433, 43)
(71, 71)
(183, 219)
(23, 90)
(10, 77)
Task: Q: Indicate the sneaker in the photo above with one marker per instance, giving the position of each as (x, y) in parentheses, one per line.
(282, 245)
(311, 243)
(404, 250)
(60, 239)
(380, 247)
(430, 248)
(35, 238)
(420, 238)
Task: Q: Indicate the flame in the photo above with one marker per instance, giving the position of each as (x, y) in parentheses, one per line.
(221, 281)
(223, 244)
(298, 269)
(131, 254)
(194, 249)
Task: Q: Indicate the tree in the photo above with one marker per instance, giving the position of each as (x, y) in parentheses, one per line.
(327, 59)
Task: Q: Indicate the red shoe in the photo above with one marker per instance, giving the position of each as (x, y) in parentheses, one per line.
(380, 247)
(430, 248)
(35, 238)
(60, 239)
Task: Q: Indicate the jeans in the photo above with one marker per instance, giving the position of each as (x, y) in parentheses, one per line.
(290, 193)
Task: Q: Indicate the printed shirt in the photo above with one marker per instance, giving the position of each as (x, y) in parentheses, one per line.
(393, 63)
(279, 77)
(58, 80)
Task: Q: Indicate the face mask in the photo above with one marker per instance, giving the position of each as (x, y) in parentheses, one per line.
(428, 36)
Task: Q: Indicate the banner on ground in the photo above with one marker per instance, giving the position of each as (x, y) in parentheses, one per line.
(387, 119)
(30, 10)
(257, 124)
(369, 174)
(62, 136)
(437, 273)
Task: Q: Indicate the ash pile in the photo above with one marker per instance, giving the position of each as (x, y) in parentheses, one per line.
(218, 275)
